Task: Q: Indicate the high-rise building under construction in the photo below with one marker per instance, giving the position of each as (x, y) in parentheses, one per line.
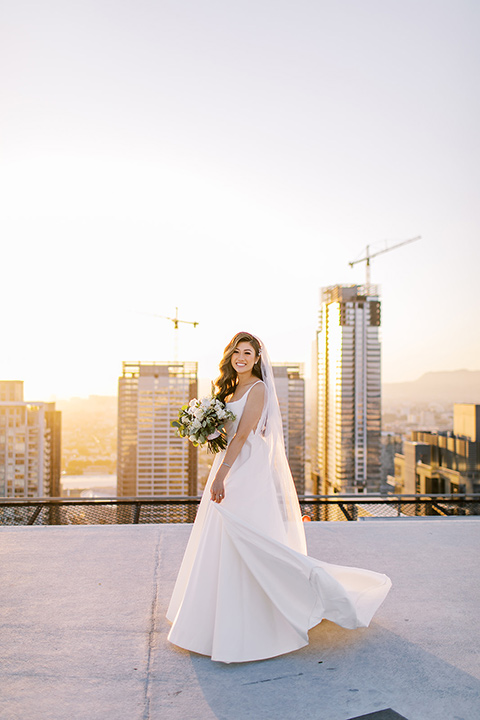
(349, 390)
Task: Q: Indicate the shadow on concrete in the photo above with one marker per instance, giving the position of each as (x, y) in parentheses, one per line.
(414, 658)
(340, 675)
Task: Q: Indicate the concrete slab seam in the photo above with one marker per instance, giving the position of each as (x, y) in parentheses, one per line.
(153, 627)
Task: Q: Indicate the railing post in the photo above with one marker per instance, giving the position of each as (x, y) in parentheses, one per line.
(136, 515)
(34, 516)
(345, 511)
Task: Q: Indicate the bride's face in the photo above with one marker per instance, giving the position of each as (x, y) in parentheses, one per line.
(243, 358)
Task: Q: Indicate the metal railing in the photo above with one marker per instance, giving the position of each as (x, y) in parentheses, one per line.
(121, 511)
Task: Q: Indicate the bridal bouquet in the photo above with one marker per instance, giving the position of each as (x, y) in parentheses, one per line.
(203, 421)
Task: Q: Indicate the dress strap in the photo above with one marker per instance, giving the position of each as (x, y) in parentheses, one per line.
(251, 386)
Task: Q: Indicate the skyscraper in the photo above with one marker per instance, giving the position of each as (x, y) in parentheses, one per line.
(152, 460)
(30, 445)
(290, 387)
(349, 390)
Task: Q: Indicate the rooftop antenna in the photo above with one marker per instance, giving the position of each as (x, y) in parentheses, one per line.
(176, 320)
(368, 256)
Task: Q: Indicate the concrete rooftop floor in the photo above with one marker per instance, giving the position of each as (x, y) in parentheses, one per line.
(83, 630)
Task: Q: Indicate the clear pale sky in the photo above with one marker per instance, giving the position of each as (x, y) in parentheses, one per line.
(231, 158)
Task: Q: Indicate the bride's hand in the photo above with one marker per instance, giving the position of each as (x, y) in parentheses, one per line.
(217, 489)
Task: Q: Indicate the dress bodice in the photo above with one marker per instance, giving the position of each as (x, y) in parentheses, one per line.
(237, 407)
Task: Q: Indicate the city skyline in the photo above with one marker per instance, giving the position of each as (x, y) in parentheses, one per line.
(232, 161)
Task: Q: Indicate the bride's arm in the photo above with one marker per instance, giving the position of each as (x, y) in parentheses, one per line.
(248, 422)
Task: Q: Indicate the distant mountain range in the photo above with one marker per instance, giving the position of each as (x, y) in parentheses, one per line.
(455, 386)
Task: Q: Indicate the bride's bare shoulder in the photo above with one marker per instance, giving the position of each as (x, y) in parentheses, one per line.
(258, 391)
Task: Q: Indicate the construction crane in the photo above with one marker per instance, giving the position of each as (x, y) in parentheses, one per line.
(176, 320)
(368, 256)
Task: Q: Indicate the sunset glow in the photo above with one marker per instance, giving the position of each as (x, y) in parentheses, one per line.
(231, 160)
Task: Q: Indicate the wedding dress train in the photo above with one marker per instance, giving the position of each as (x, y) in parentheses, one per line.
(243, 592)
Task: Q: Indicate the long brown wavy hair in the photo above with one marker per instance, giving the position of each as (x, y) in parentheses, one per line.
(227, 381)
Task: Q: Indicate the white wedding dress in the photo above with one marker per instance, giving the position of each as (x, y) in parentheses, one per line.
(243, 592)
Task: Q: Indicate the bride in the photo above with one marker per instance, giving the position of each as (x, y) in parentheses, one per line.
(246, 589)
